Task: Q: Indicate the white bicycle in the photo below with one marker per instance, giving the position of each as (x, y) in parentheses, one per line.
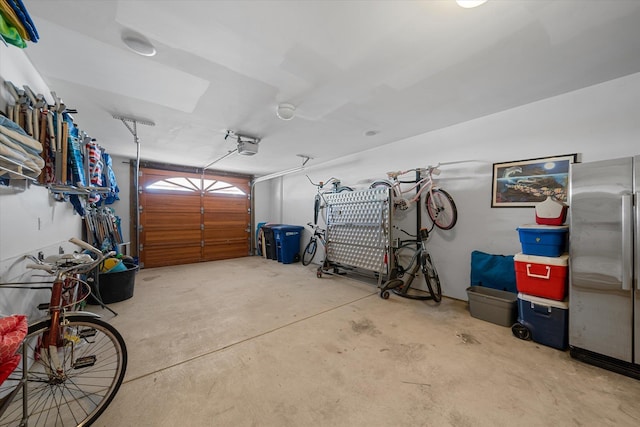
(439, 204)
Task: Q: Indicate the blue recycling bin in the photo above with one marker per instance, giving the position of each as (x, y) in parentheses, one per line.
(287, 239)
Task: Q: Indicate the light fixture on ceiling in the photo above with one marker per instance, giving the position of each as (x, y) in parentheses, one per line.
(138, 43)
(286, 111)
(468, 4)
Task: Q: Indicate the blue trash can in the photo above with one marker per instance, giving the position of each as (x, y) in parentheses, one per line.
(287, 239)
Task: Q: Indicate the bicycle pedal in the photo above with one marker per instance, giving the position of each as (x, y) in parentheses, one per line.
(84, 362)
(86, 333)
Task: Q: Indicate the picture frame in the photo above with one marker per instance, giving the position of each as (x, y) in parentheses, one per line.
(525, 183)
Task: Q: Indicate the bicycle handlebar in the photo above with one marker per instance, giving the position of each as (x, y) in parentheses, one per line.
(316, 228)
(69, 263)
(429, 170)
(86, 246)
(321, 184)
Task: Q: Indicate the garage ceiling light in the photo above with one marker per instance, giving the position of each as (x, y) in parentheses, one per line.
(286, 111)
(468, 4)
(138, 44)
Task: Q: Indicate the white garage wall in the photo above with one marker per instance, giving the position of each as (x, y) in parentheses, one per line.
(30, 220)
(599, 122)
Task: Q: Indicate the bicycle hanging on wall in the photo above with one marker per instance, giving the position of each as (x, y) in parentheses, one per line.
(439, 204)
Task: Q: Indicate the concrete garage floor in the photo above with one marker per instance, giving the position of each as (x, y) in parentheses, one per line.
(251, 342)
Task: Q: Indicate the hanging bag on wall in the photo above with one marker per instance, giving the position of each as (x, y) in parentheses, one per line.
(493, 271)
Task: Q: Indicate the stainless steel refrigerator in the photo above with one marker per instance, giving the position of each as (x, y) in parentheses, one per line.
(604, 293)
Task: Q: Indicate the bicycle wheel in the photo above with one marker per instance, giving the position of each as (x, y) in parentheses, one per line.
(316, 208)
(442, 209)
(378, 184)
(309, 251)
(431, 277)
(94, 359)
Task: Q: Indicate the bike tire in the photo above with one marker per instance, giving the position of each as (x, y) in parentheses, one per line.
(431, 278)
(94, 357)
(309, 252)
(442, 211)
(376, 184)
(345, 188)
(316, 208)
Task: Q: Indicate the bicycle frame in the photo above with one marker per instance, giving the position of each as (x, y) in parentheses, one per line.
(419, 260)
(424, 184)
(311, 247)
(56, 308)
(414, 263)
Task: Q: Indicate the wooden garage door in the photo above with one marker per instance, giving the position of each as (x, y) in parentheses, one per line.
(187, 217)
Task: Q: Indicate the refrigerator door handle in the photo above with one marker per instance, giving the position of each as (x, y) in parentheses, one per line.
(627, 241)
(636, 243)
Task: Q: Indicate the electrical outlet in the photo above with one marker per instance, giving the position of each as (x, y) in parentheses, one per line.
(60, 250)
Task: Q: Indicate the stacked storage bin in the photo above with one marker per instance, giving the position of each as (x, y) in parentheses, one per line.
(541, 278)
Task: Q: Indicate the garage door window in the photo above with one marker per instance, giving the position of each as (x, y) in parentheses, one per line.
(195, 185)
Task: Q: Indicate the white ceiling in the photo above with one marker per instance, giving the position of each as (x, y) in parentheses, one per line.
(397, 68)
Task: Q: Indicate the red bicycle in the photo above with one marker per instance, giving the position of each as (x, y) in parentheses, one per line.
(72, 362)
